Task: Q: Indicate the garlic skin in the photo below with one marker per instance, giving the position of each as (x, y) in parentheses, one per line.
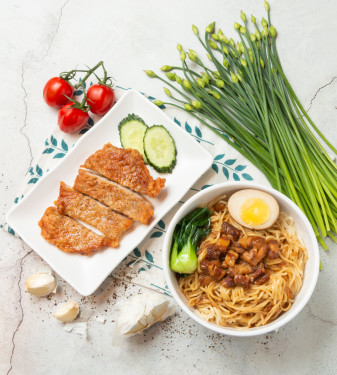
(143, 311)
(67, 312)
(40, 284)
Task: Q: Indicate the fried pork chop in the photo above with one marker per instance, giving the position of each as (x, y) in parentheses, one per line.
(125, 166)
(69, 235)
(79, 206)
(115, 196)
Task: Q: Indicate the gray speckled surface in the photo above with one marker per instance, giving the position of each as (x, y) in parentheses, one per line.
(40, 38)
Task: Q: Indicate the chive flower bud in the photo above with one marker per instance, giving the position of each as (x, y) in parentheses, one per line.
(258, 45)
(188, 107)
(234, 53)
(264, 23)
(187, 84)
(225, 63)
(253, 19)
(195, 30)
(224, 39)
(243, 30)
(205, 77)
(192, 56)
(216, 74)
(215, 37)
(257, 34)
(159, 103)
(262, 63)
(252, 37)
(266, 6)
(182, 56)
(166, 68)
(196, 104)
(242, 48)
(178, 80)
(238, 46)
(243, 62)
(179, 47)
(209, 57)
(239, 77)
(251, 56)
(265, 32)
(200, 82)
(171, 76)
(231, 42)
(220, 32)
(213, 44)
(215, 94)
(220, 83)
(243, 16)
(167, 92)
(272, 31)
(236, 26)
(234, 78)
(225, 49)
(210, 28)
(150, 73)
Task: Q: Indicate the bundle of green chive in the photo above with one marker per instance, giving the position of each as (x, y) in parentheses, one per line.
(248, 97)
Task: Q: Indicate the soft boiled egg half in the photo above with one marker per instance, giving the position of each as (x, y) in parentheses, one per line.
(253, 209)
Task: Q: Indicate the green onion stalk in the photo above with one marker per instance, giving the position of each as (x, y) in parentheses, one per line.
(243, 95)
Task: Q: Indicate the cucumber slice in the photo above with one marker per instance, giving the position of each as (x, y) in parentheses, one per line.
(131, 133)
(160, 149)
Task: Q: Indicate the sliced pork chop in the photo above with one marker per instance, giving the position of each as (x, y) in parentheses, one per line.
(78, 206)
(69, 235)
(125, 166)
(115, 196)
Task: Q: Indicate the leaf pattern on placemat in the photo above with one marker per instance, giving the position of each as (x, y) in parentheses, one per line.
(230, 168)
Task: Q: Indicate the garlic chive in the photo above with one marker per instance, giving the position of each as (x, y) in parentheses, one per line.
(195, 30)
(167, 92)
(150, 73)
(158, 103)
(171, 76)
(166, 68)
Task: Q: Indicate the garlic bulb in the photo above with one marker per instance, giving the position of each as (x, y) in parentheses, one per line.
(143, 311)
(40, 284)
(67, 312)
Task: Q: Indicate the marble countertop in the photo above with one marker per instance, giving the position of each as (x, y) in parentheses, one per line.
(38, 40)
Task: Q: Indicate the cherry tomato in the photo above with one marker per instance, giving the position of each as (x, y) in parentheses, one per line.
(53, 92)
(71, 120)
(101, 99)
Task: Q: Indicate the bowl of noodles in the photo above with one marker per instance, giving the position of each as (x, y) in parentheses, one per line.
(247, 282)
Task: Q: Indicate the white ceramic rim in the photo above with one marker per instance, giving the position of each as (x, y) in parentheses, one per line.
(283, 319)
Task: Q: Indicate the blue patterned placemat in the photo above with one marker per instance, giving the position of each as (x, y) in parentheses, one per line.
(144, 264)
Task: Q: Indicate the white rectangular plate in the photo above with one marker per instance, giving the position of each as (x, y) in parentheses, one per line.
(86, 273)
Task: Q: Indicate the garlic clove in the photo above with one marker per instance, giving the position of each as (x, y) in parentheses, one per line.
(40, 284)
(67, 312)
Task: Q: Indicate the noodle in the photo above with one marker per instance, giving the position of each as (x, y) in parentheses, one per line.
(260, 304)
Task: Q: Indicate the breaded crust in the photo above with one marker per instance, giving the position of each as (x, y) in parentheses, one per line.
(69, 235)
(79, 206)
(115, 196)
(125, 166)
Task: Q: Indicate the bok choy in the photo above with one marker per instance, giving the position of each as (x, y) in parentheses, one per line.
(186, 237)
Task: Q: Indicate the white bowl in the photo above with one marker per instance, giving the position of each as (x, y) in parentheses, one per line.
(304, 229)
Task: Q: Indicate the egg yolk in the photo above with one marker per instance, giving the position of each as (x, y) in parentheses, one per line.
(255, 211)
